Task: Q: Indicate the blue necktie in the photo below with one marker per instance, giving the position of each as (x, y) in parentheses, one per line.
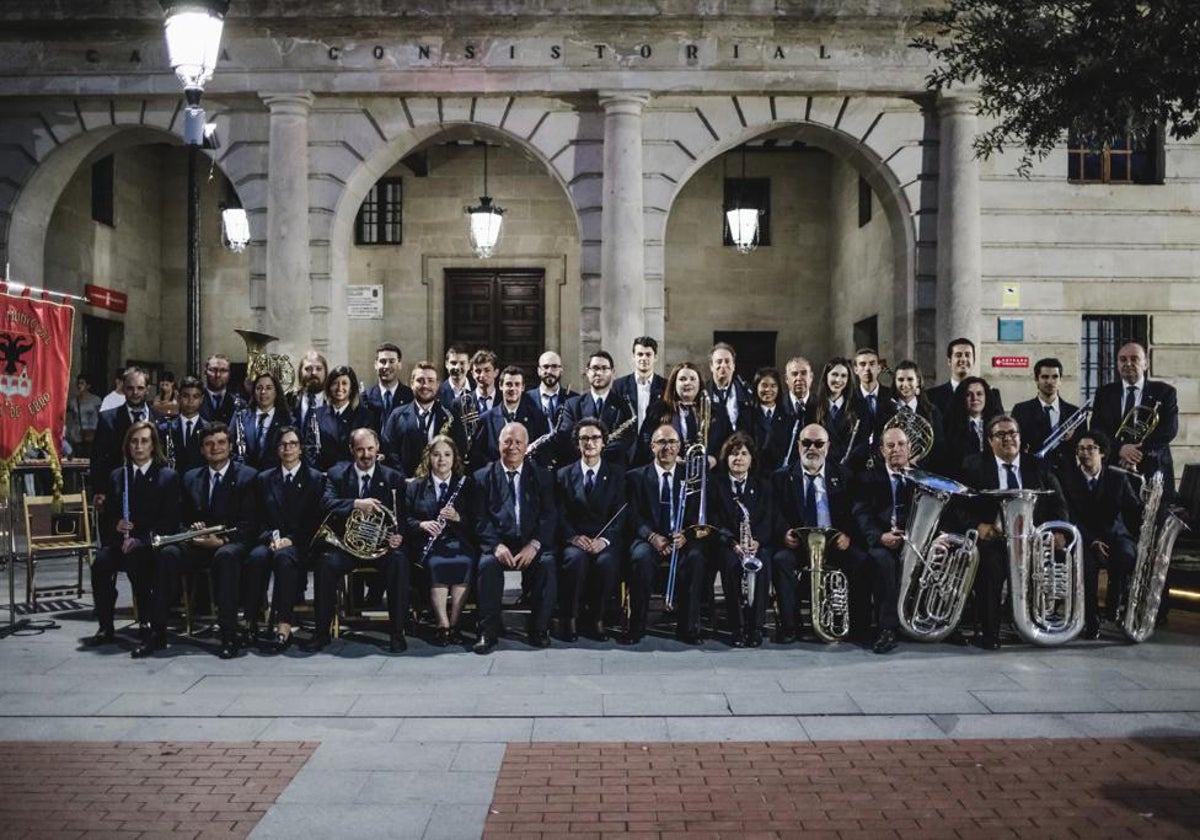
(589, 482)
(365, 490)
(810, 501)
(1010, 480)
(664, 506)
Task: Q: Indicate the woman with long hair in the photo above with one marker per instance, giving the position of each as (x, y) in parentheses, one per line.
(835, 411)
(341, 414)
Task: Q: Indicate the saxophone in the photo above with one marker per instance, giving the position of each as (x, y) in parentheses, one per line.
(937, 569)
(751, 565)
(1047, 591)
(828, 589)
(1155, 543)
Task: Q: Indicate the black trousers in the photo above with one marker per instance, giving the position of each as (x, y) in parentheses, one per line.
(540, 577)
(989, 585)
(231, 578)
(579, 569)
(689, 584)
(138, 565)
(1122, 552)
(334, 563)
(290, 567)
(744, 619)
(885, 587)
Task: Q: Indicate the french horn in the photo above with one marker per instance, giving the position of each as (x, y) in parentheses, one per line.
(916, 428)
(365, 534)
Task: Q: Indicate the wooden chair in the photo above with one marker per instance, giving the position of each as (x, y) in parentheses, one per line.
(51, 533)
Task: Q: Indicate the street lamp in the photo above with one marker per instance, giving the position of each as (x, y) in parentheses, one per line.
(193, 32)
(485, 219)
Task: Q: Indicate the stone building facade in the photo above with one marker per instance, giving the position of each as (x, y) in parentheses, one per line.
(612, 129)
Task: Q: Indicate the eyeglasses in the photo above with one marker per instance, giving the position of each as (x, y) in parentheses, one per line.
(588, 438)
(287, 444)
(665, 443)
(1012, 435)
(812, 444)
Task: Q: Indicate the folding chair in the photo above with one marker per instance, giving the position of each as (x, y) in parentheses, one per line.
(50, 534)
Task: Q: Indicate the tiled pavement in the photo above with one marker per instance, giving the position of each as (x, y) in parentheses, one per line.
(410, 746)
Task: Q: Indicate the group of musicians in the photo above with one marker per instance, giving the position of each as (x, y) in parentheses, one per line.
(657, 483)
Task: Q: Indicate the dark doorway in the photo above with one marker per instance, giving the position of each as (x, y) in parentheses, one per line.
(101, 352)
(500, 309)
(754, 349)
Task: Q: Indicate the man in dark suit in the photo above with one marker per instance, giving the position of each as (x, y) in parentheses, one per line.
(1107, 512)
(1039, 417)
(110, 430)
(219, 493)
(410, 428)
(816, 493)
(799, 401)
(960, 359)
(602, 402)
(515, 518)
(1003, 468)
(591, 495)
(389, 393)
(550, 395)
(873, 403)
(514, 407)
(726, 388)
(457, 381)
(184, 429)
(368, 487)
(1134, 389)
(289, 512)
(143, 501)
(883, 499)
(220, 403)
(642, 388)
(314, 371)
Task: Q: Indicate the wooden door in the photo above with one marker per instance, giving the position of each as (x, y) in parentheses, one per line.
(500, 309)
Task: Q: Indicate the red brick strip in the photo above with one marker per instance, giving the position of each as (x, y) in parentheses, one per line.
(129, 791)
(859, 789)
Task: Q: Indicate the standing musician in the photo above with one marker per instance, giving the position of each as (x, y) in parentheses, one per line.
(457, 381)
(514, 407)
(111, 428)
(800, 403)
(220, 403)
(1003, 467)
(678, 407)
(726, 388)
(873, 403)
(643, 387)
(549, 395)
(515, 518)
(389, 393)
(835, 412)
(435, 501)
(769, 424)
(144, 500)
(413, 426)
(815, 492)
(603, 403)
(289, 511)
(741, 536)
(259, 425)
(341, 413)
(314, 375)
(960, 359)
(1118, 400)
(883, 502)
(1040, 416)
(592, 512)
(655, 493)
(1107, 512)
(183, 429)
(364, 486)
(221, 493)
(910, 395)
(970, 410)
(484, 367)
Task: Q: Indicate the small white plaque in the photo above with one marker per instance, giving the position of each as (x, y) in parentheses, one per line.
(364, 302)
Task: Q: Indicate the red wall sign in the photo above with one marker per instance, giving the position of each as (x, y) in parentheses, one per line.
(105, 298)
(1010, 361)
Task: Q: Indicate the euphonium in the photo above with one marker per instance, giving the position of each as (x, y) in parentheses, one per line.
(828, 588)
(1047, 590)
(1139, 611)
(365, 535)
(751, 565)
(916, 428)
(937, 569)
(259, 361)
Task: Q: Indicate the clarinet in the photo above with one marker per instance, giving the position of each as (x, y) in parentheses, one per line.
(312, 443)
(441, 520)
(168, 436)
(239, 435)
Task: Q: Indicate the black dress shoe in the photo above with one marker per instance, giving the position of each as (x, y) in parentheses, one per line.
(229, 646)
(689, 638)
(785, 636)
(282, 642)
(540, 639)
(316, 643)
(567, 631)
(104, 636)
(1091, 632)
(156, 642)
(885, 642)
(455, 636)
(397, 643)
(737, 641)
(987, 642)
(632, 636)
(754, 640)
(485, 644)
(599, 632)
(441, 636)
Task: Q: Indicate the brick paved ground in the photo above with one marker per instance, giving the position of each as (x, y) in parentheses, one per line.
(876, 789)
(125, 790)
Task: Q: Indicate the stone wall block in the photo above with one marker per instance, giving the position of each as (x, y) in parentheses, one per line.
(489, 110)
(424, 110)
(587, 191)
(824, 110)
(791, 108)
(524, 117)
(456, 109)
(756, 109)
(657, 192)
(324, 192)
(666, 159)
(333, 158)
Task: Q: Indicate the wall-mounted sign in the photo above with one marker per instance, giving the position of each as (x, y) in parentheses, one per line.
(364, 302)
(1010, 361)
(105, 298)
(1010, 329)
(1010, 296)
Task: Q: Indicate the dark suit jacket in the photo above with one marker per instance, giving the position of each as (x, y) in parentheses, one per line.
(186, 457)
(487, 443)
(403, 441)
(579, 513)
(659, 413)
(873, 505)
(642, 491)
(445, 393)
(234, 505)
(341, 489)
(153, 504)
(843, 435)
(943, 397)
(296, 514)
(495, 519)
(772, 439)
(743, 398)
(885, 407)
(980, 473)
(421, 502)
(268, 456)
(372, 398)
(626, 386)
(962, 443)
(787, 486)
(1031, 418)
(1110, 512)
(335, 433)
(1107, 417)
(225, 409)
(107, 453)
(724, 515)
(617, 411)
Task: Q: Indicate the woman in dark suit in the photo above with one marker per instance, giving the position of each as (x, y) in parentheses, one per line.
(769, 423)
(970, 410)
(341, 414)
(679, 408)
(436, 528)
(835, 412)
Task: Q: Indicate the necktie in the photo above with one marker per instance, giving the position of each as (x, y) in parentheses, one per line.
(810, 501)
(423, 420)
(216, 402)
(683, 421)
(483, 405)
(1010, 478)
(899, 514)
(834, 411)
(138, 415)
(214, 484)
(1049, 417)
(589, 482)
(512, 497)
(871, 406)
(443, 494)
(187, 431)
(1091, 485)
(287, 479)
(260, 437)
(387, 403)
(551, 404)
(739, 487)
(770, 412)
(977, 427)
(664, 506)
(365, 490)
(599, 406)
(1130, 399)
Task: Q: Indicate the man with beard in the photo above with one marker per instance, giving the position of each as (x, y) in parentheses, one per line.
(411, 427)
(726, 388)
(602, 402)
(314, 370)
(220, 403)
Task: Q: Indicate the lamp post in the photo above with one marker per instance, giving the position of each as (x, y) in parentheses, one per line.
(193, 33)
(485, 219)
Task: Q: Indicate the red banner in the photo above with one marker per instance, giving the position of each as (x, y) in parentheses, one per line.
(35, 374)
(103, 298)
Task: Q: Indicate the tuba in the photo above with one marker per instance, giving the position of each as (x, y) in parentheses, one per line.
(916, 428)
(828, 589)
(365, 535)
(1139, 611)
(938, 569)
(258, 361)
(1046, 590)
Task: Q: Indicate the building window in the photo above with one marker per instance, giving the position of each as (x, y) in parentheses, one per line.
(1103, 336)
(749, 192)
(866, 333)
(378, 221)
(102, 191)
(864, 202)
(1128, 160)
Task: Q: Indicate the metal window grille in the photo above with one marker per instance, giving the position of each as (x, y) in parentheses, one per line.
(379, 218)
(1103, 336)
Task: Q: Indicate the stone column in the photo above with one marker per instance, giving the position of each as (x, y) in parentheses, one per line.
(288, 289)
(622, 227)
(959, 255)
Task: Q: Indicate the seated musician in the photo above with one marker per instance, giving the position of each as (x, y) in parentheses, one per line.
(413, 426)
(143, 500)
(436, 500)
(769, 423)
(221, 493)
(257, 432)
(364, 486)
(881, 508)
(655, 493)
(1107, 512)
(592, 510)
(738, 497)
(341, 413)
(603, 402)
(515, 519)
(289, 511)
(1003, 467)
(816, 493)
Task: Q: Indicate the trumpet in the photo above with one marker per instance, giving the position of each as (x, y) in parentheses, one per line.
(159, 540)
(1065, 429)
